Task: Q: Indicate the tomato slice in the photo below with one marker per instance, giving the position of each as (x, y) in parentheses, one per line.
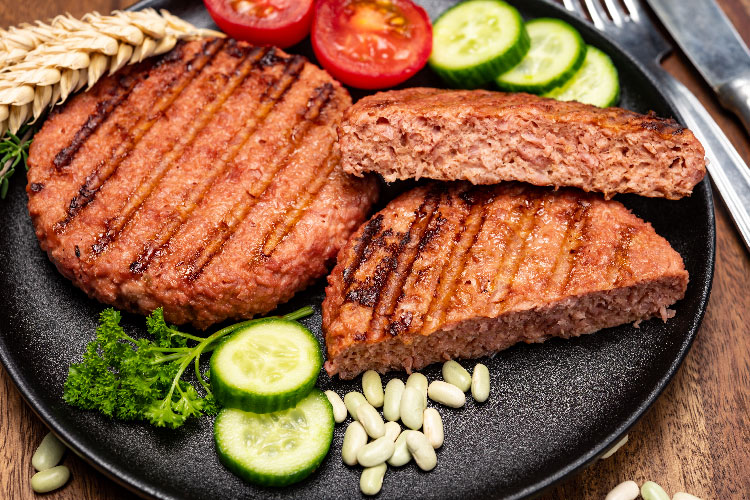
(263, 22)
(371, 44)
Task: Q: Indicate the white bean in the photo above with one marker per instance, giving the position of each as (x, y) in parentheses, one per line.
(480, 383)
(616, 447)
(339, 408)
(376, 452)
(373, 388)
(371, 480)
(446, 394)
(433, 427)
(627, 490)
(352, 400)
(370, 420)
(355, 438)
(652, 491)
(392, 430)
(48, 454)
(394, 389)
(401, 455)
(412, 408)
(681, 495)
(455, 374)
(422, 451)
(50, 479)
(418, 381)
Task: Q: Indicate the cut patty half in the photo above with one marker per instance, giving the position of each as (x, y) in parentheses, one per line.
(206, 181)
(452, 270)
(487, 137)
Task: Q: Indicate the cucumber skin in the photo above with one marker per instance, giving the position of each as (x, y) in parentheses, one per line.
(615, 97)
(232, 397)
(555, 82)
(275, 481)
(476, 76)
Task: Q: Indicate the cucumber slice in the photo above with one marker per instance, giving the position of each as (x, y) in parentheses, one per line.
(267, 366)
(279, 448)
(475, 41)
(595, 83)
(557, 51)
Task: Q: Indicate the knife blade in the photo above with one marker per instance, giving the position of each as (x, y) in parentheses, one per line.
(714, 47)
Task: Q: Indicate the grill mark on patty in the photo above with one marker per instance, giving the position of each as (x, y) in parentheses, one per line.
(144, 190)
(571, 242)
(272, 95)
(165, 96)
(372, 228)
(514, 253)
(220, 234)
(104, 108)
(581, 240)
(286, 223)
(620, 264)
(398, 265)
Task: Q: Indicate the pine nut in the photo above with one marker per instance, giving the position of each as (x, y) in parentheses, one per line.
(339, 408)
(355, 438)
(652, 491)
(371, 479)
(627, 490)
(352, 400)
(401, 455)
(412, 408)
(48, 454)
(480, 383)
(418, 381)
(681, 495)
(392, 430)
(422, 451)
(373, 388)
(370, 420)
(433, 427)
(446, 394)
(616, 447)
(455, 374)
(376, 452)
(394, 389)
(50, 479)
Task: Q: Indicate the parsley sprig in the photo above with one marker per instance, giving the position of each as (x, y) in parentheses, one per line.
(141, 379)
(14, 150)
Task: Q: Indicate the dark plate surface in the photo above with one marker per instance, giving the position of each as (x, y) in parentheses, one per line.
(554, 407)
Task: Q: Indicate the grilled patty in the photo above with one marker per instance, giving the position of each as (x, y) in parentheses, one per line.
(487, 137)
(452, 270)
(206, 182)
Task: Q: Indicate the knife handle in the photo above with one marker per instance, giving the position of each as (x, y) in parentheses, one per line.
(728, 171)
(735, 96)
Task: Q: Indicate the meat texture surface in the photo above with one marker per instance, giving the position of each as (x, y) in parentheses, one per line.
(205, 181)
(486, 137)
(451, 270)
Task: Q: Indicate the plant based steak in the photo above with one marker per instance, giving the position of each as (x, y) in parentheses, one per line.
(452, 270)
(206, 181)
(487, 137)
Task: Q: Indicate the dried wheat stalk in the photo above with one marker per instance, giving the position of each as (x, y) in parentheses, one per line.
(41, 64)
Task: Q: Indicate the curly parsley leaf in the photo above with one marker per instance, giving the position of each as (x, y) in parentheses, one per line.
(141, 379)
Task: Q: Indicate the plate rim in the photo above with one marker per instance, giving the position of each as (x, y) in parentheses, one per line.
(535, 489)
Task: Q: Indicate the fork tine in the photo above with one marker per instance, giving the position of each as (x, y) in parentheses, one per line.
(634, 9)
(615, 11)
(598, 17)
(575, 6)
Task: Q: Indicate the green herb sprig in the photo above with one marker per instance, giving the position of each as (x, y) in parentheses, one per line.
(141, 379)
(14, 150)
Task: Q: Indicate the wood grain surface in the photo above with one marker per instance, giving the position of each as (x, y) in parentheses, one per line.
(696, 437)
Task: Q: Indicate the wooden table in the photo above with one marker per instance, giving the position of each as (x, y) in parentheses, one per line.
(696, 438)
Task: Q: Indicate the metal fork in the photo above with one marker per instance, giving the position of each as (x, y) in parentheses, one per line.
(633, 30)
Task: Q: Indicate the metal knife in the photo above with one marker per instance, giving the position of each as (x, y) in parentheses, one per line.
(714, 47)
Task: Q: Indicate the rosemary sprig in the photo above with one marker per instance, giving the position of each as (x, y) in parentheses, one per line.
(14, 150)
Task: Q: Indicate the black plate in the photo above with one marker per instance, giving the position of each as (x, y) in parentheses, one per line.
(554, 407)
